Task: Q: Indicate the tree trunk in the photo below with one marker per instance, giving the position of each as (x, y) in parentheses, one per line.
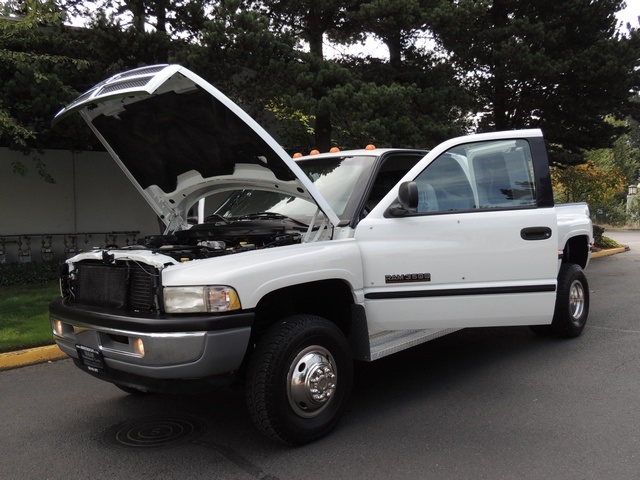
(322, 134)
(136, 7)
(323, 128)
(314, 31)
(394, 44)
(499, 76)
(160, 10)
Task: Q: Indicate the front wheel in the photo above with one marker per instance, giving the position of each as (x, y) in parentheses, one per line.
(299, 379)
(572, 301)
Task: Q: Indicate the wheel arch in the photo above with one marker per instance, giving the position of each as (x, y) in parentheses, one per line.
(576, 250)
(331, 299)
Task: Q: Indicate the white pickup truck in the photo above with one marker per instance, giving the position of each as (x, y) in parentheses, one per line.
(282, 272)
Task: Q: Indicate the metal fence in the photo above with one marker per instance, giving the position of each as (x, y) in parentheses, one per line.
(45, 247)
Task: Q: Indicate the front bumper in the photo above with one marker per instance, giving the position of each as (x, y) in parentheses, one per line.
(175, 347)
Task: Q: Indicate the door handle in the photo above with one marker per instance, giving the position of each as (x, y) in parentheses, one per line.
(535, 233)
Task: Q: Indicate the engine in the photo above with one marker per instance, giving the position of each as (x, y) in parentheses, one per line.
(222, 237)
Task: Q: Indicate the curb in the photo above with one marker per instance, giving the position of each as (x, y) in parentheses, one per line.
(50, 353)
(30, 356)
(609, 252)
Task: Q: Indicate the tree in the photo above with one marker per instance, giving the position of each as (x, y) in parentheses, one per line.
(522, 63)
(140, 31)
(417, 100)
(625, 152)
(311, 21)
(598, 182)
(37, 63)
(258, 57)
(357, 99)
(396, 23)
(168, 17)
(559, 65)
(595, 182)
(603, 180)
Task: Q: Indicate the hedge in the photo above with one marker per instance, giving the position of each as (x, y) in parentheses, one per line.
(27, 273)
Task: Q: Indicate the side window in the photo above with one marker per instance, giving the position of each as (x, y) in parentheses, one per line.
(478, 176)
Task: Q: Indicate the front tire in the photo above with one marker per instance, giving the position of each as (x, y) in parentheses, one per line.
(299, 379)
(572, 302)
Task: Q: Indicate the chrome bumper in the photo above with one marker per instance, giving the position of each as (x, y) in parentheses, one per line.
(152, 354)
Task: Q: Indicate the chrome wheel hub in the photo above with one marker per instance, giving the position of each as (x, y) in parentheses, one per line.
(311, 381)
(576, 301)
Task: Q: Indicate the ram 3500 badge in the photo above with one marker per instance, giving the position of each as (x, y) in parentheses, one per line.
(291, 270)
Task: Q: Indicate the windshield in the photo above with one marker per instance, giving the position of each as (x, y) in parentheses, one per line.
(335, 178)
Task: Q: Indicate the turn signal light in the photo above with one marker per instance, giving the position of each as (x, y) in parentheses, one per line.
(57, 327)
(138, 346)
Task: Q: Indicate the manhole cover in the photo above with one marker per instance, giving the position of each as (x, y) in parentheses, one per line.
(155, 432)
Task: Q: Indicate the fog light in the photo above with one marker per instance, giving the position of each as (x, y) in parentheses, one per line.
(57, 327)
(138, 346)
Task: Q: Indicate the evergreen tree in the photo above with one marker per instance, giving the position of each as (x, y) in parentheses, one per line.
(312, 21)
(397, 23)
(560, 65)
(359, 100)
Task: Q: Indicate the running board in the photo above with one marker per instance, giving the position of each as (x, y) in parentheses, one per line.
(386, 343)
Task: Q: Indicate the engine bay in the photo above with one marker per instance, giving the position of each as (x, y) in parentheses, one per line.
(219, 236)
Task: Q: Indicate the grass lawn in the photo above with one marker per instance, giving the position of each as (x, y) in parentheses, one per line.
(24, 315)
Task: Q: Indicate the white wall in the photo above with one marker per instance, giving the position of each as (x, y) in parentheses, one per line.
(91, 194)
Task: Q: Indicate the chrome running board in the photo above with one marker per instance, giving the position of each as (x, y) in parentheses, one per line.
(386, 343)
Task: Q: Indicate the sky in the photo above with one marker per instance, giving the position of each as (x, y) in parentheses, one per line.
(631, 13)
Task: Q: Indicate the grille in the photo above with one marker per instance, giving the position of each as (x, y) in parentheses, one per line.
(142, 283)
(124, 286)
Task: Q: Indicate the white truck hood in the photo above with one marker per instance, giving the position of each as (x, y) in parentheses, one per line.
(179, 139)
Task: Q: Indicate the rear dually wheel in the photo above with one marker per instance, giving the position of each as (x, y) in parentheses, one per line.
(572, 302)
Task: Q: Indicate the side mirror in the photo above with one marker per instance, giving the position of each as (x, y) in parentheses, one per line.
(407, 200)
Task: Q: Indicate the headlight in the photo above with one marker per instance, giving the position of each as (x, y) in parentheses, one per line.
(200, 299)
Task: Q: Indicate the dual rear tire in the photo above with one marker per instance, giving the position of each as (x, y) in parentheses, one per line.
(572, 304)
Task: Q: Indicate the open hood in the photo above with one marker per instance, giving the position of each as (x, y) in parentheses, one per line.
(179, 139)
